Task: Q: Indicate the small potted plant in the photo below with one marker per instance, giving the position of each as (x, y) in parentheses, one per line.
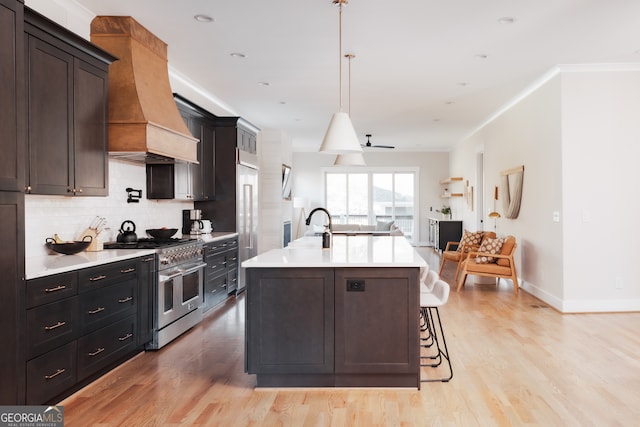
(445, 211)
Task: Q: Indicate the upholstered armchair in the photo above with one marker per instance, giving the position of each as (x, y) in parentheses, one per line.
(458, 251)
(493, 262)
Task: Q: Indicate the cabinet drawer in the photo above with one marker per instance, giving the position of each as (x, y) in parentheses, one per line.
(215, 291)
(216, 265)
(104, 346)
(232, 259)
(51, 325)
(51, 288)
(99, 277)
(102, 306)
(51, 374)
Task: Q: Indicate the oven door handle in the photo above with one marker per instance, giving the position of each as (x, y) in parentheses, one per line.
(164, 278)
(193, 268)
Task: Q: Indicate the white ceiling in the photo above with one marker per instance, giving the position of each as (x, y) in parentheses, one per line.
(420, 79)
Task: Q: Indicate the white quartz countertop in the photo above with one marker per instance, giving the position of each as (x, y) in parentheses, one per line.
(345, 251)
(47, 265)
(213, 237)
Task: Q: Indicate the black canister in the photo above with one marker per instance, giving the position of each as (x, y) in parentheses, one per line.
(326, 240)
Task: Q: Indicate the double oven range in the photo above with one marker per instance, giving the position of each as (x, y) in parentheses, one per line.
(178, 291)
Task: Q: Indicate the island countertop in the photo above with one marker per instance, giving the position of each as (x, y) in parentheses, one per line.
(345, 251)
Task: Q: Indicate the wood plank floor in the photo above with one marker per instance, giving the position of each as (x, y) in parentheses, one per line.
(515, 360)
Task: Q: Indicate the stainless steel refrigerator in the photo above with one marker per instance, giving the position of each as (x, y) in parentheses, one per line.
(247, 210)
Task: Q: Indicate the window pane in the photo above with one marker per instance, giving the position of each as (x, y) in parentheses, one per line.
(404, 203)
(358, 198)
(382, 196)
(336, 187)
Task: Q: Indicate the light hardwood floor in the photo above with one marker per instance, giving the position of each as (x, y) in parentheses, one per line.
(515, 360)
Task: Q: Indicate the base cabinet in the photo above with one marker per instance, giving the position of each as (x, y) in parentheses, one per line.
(80, 324)
(221, 272)
(333, 327)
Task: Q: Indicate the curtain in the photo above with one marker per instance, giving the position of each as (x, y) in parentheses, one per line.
(511, 183)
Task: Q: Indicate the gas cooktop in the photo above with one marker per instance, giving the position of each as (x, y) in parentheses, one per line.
(145, 243)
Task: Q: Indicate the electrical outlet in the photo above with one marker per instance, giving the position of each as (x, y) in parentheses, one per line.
(556, 216)
(619, 283)
(355, 285)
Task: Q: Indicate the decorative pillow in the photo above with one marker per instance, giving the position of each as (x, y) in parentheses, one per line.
(470, 238)
(491, 246)
(384, 226)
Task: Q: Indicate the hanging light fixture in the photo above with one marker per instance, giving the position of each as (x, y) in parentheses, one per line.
(350, 159)
(340, 137)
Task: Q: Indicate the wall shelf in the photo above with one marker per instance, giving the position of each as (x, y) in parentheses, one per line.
(451, 179)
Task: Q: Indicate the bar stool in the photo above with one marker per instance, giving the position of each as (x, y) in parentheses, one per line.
(427, 281)
(429, 303)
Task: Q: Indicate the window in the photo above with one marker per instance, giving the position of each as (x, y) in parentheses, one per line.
(373, 196)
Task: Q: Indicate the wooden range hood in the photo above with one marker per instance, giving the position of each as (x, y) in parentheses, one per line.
(143, 118)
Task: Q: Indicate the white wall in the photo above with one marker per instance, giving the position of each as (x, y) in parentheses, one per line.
(275, 150)
(601, 134)
(576, 135)
(308, 181)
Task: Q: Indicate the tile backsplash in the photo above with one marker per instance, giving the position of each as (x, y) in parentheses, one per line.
(70, 216)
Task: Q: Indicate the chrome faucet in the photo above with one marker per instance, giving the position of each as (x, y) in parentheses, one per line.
(308, 220)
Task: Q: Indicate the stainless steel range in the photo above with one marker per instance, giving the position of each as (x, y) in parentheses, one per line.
(180, 284)
(178, 298)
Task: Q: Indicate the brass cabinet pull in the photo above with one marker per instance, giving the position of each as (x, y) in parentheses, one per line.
(128, 270)
(124, 338)
(96, 311)
(127, 299)
(95, 279)
(57, 325)
(55, 374)
(98, 351)
(148, 259)
(57, 288)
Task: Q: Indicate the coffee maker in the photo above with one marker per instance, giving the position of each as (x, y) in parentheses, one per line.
(192, 221)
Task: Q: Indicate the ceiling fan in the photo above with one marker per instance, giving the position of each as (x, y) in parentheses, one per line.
(369, 145)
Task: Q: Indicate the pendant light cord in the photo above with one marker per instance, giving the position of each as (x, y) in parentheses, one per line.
(340, 50)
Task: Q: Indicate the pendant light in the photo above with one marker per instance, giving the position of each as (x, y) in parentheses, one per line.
(349, 159)
(340, 137)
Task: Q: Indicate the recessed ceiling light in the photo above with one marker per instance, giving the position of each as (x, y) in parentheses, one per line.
(263, 83)
(202, 18)
(283, 102)
(463, 84)
(506, 20)
(481, 56)
(449, 103)
(238, 55)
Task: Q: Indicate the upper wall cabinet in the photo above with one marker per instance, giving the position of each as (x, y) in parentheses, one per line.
(11, 96)
(197, 181)
(67, 111)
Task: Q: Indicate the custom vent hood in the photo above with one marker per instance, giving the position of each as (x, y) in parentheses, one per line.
(144, 122)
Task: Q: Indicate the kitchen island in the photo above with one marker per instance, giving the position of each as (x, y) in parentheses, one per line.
(340, 317)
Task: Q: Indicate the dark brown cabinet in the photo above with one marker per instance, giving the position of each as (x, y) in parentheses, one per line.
(221, 272)
(333, 327)
(11, 96)
(197, 181)
(67, 81)
(12, 155)
(231, 134)
(81, 323)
